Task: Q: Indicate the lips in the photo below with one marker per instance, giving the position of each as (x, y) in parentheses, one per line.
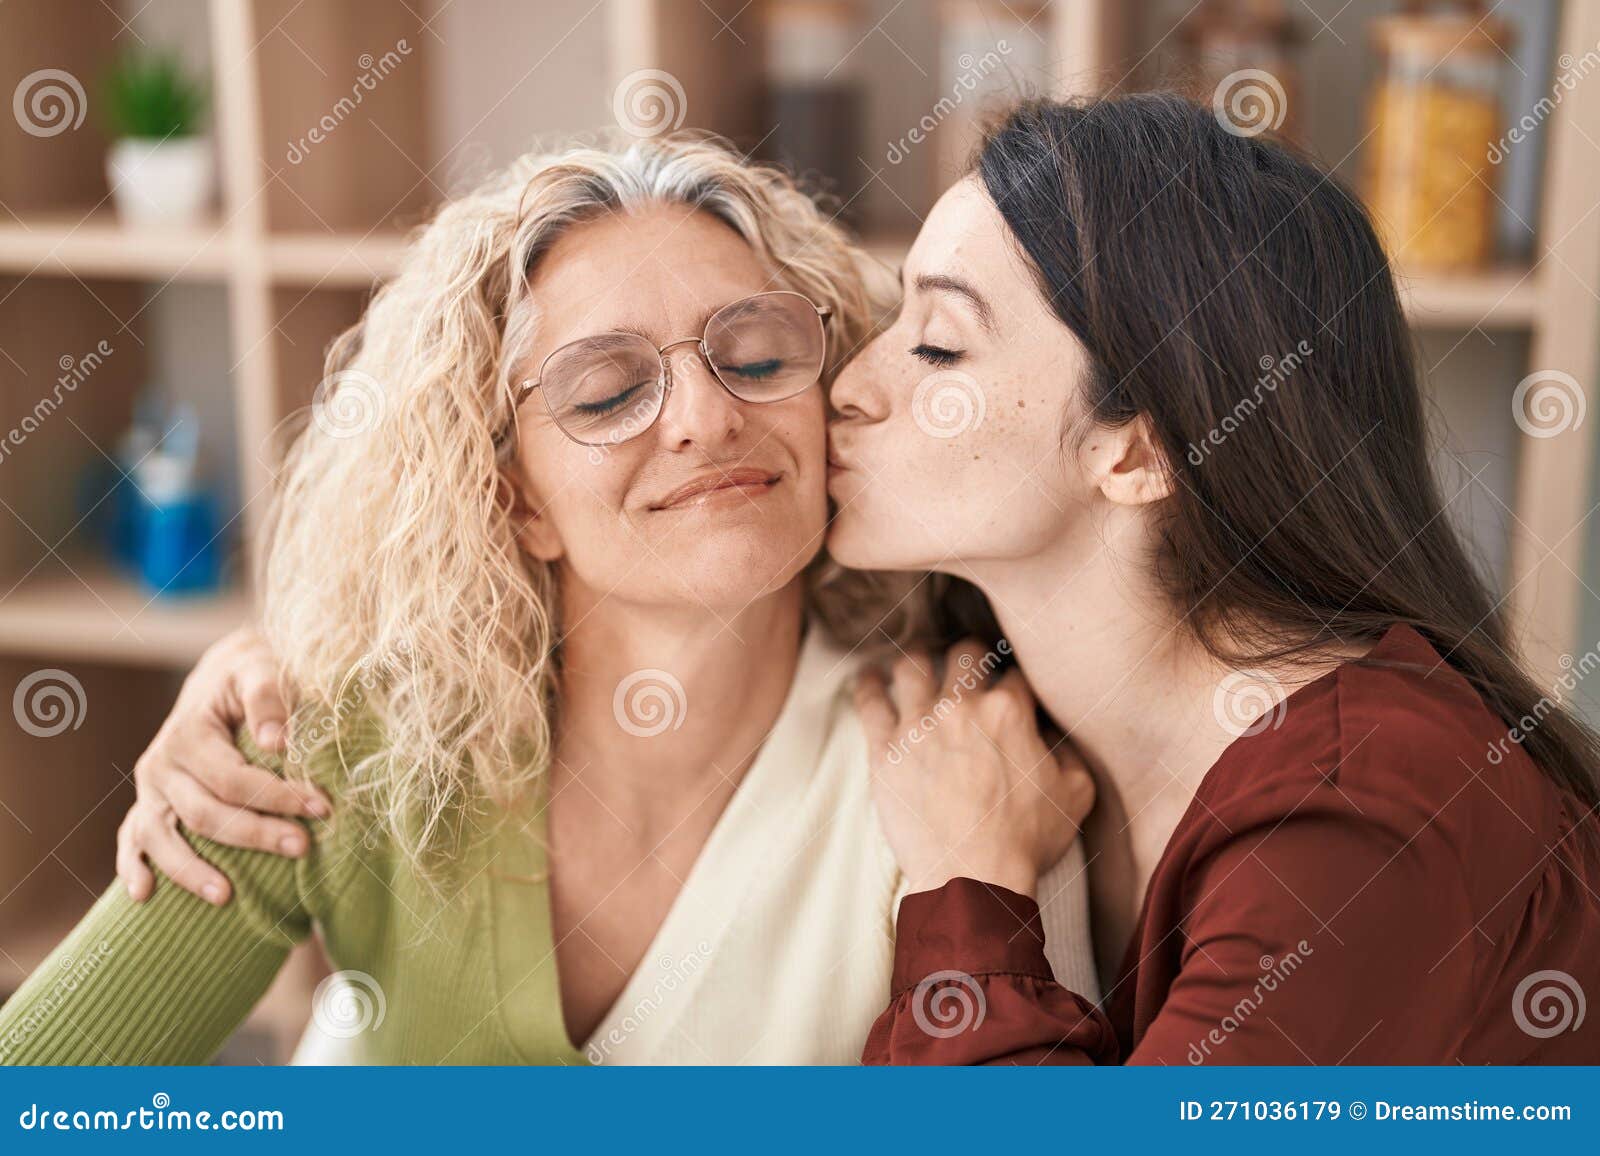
(743, 480)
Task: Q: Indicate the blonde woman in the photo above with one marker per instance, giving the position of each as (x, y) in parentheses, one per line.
(544, 574)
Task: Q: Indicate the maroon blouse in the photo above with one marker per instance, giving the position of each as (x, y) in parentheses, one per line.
(1379, 877)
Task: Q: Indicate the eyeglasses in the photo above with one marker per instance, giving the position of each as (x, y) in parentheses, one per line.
(607, 389)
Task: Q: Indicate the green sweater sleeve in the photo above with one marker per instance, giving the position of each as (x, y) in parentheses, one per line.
(166, 981)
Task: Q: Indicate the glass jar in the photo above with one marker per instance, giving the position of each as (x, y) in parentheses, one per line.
(1434, 116)
(1240, 57)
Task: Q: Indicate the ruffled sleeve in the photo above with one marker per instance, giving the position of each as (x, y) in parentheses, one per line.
(972, 986)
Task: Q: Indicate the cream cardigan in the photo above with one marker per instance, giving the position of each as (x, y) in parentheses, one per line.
(779, 947)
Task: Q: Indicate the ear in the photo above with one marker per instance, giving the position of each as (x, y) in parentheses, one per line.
(531, 527)
(1126, 464)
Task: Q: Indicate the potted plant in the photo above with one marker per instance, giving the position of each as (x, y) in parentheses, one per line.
(160, 169)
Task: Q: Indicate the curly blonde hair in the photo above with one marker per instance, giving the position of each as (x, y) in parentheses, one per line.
(390, 572)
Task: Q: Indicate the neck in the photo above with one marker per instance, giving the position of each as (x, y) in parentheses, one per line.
(1109, 661)
(664, 706)
(1144, 702)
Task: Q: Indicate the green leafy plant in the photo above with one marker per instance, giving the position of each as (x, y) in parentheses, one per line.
(148, 94)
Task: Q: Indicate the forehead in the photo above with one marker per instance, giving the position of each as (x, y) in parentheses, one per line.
(660, 272)
(964, 228)
(965, 236)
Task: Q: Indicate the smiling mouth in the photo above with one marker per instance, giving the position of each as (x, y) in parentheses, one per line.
(722, 486)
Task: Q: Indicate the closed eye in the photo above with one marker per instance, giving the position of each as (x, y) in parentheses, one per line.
(754, 370)
(935, 355)
(608, 404)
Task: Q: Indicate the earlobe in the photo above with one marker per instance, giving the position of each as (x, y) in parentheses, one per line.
(533, 531)
(1132, 469)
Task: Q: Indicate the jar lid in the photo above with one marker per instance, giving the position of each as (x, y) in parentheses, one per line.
(1009, 11)
(1238, 22)
(832, 11)
(1459, 29)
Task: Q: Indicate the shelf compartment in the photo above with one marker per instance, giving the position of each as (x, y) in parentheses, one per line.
(98, 245)
(94, 614)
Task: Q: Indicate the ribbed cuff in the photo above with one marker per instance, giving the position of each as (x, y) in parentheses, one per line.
(970, 927)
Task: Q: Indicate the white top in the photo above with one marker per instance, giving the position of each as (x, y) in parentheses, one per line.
(779, 947)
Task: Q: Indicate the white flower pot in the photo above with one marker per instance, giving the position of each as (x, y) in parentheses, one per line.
(161, 182)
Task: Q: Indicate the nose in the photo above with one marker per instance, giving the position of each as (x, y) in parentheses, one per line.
(698, 411)
(854, 397)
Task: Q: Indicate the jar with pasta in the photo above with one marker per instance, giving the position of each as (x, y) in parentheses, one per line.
(1435, 115)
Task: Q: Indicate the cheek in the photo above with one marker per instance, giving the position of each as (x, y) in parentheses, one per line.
(578, 491)
(957, 469)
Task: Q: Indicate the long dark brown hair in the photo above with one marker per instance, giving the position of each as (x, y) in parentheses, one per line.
(1236, 296)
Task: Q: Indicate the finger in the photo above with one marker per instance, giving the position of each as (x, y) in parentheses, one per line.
(205, 814)
(174, 858)
(266, 713)
(232, 778)
(968, 660)
(1074, 792)
(1015, 683)
(135, 874)
(875, 708)
(913, 686)
(1072, 787)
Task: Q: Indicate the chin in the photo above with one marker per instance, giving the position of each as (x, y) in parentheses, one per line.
(852, 543)
(735, 566)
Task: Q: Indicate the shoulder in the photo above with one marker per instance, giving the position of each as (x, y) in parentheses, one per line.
(1399, 754)
(330, 756)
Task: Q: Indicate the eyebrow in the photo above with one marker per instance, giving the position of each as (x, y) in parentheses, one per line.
(941, 282)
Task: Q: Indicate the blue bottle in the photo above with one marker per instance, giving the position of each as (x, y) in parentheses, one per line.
(177, 528)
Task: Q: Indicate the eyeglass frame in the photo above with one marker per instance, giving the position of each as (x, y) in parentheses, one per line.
(824, 315)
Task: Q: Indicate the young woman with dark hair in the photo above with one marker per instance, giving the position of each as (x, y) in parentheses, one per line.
(1200, 503)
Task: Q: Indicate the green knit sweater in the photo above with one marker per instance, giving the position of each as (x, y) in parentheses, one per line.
(466, 976)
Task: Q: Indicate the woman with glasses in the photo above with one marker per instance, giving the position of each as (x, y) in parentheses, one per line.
(573, 744)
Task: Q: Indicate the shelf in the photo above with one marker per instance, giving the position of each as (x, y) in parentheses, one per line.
(98, 245)
(100, 616)
(1505, 298)
(1509, 297)
(334, 260)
